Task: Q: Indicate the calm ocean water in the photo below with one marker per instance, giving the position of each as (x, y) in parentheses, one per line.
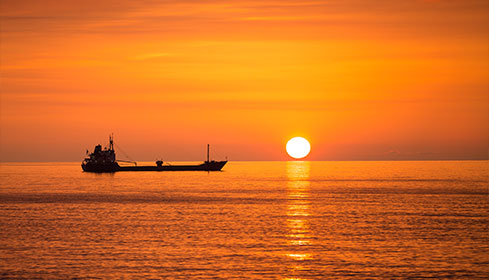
(254, 220)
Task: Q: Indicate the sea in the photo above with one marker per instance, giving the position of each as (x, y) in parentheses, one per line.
(253, 220)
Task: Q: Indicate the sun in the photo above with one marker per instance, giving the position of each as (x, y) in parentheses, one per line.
(298, 147)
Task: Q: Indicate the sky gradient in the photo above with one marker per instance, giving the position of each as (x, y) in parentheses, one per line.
(361, 80)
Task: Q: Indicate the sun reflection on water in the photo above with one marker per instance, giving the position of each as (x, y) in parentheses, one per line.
(300, 257)
(298, 209)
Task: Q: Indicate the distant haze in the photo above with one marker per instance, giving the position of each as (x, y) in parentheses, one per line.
(361, 80)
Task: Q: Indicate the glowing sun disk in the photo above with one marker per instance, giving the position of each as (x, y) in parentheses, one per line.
(298, 147)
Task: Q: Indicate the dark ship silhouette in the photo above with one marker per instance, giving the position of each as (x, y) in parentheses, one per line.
(104, 160)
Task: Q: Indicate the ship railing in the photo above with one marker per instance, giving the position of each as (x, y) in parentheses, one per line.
(128, 161)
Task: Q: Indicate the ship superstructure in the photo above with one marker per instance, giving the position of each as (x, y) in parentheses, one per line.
(101, 160)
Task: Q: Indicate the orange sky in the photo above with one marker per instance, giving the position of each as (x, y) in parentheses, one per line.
(362, 80)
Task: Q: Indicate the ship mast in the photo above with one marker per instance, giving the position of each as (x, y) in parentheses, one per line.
(207, 152)
(111, 142)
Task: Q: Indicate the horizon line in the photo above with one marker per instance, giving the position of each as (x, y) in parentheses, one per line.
(353, 160)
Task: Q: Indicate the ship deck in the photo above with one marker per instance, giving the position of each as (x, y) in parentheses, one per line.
(208, 166)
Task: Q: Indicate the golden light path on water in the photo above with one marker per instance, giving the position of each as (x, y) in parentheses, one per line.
(298, 209)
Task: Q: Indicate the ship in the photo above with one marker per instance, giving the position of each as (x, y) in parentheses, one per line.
(104, 161)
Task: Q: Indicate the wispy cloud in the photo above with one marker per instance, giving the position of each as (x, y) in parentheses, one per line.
(153, 56)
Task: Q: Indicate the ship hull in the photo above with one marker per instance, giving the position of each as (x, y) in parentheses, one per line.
(100, 168)
(206, 166)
